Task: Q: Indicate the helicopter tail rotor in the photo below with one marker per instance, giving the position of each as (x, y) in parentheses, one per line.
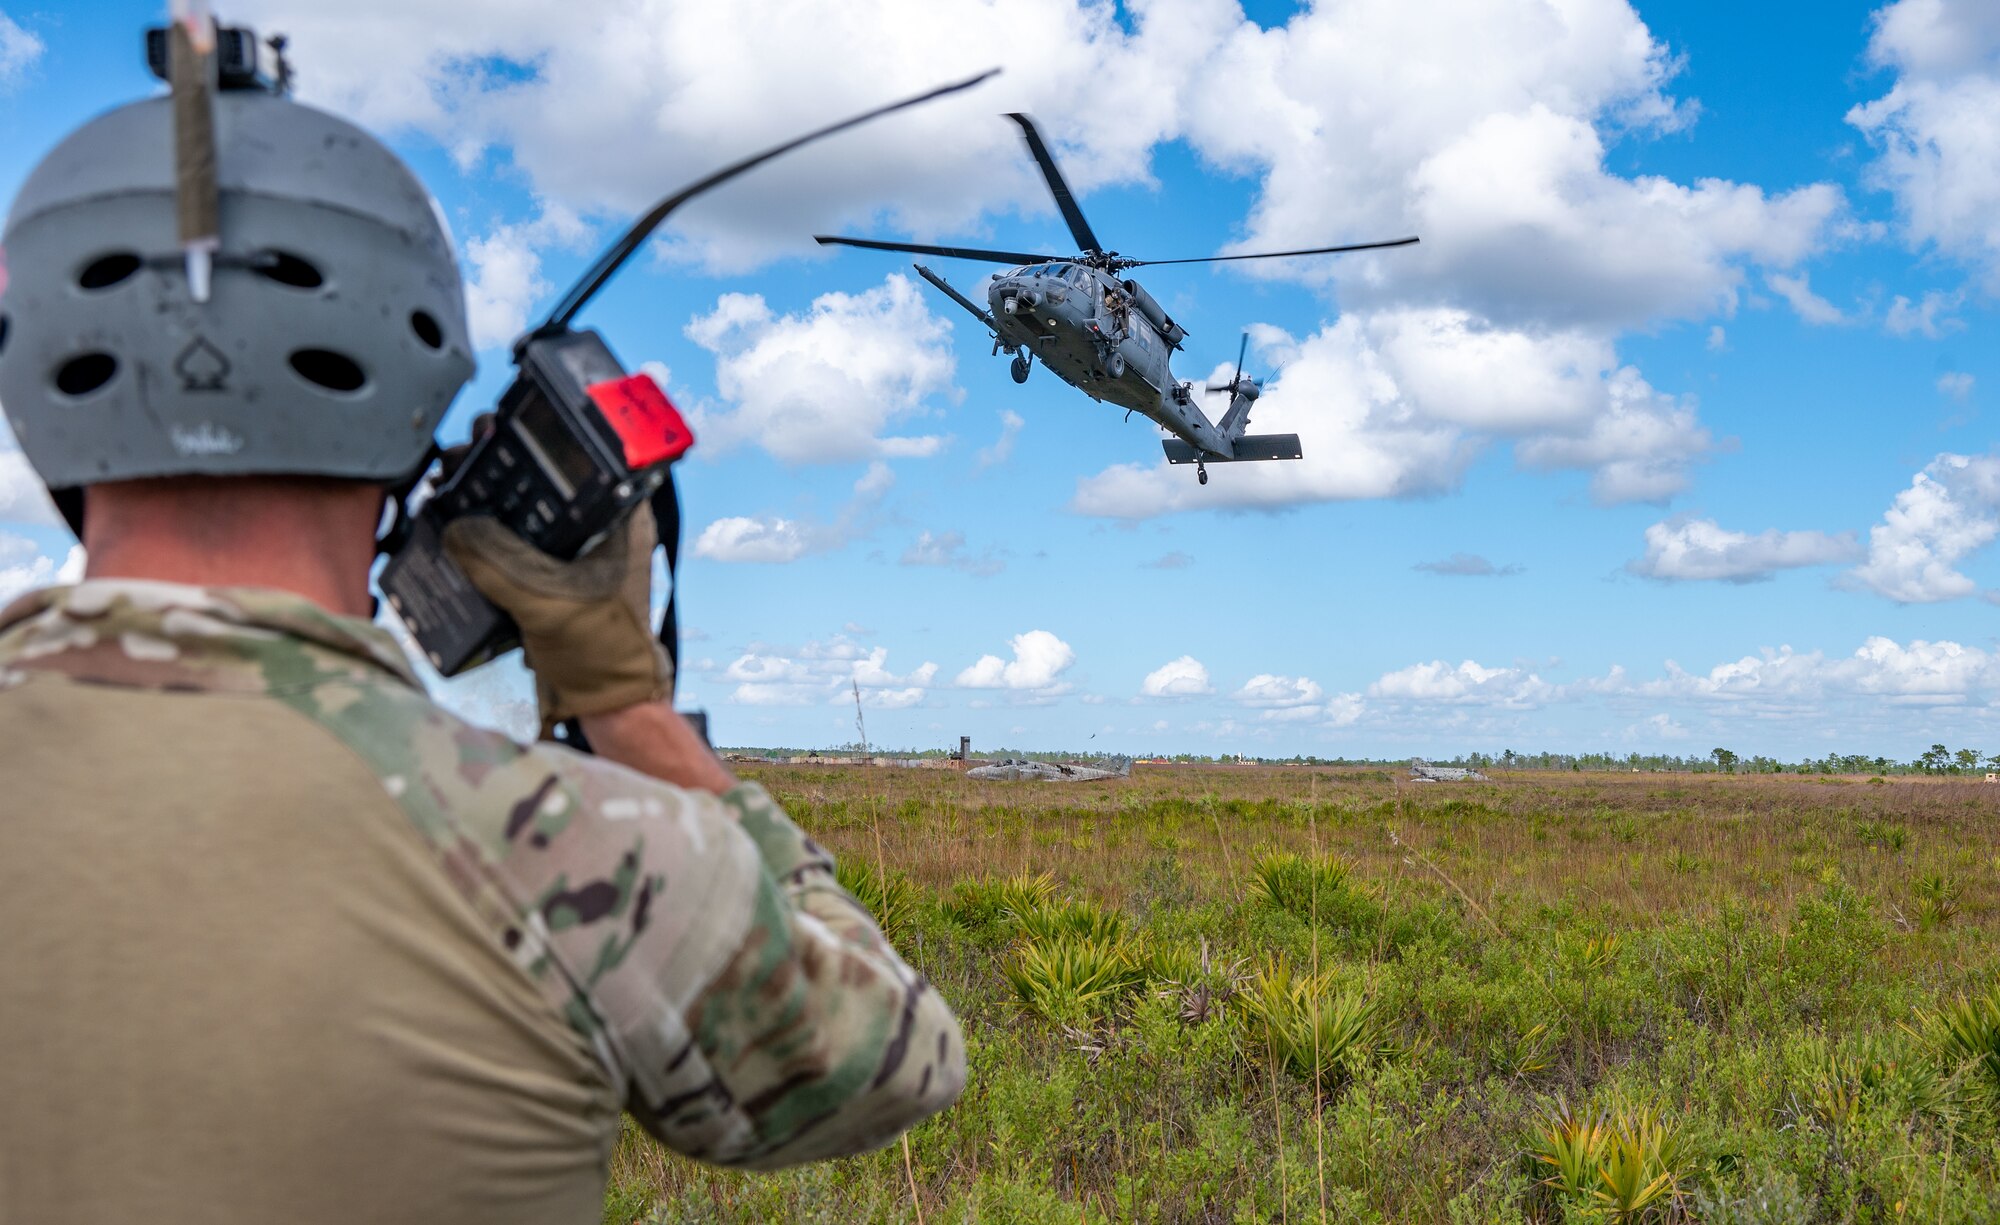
(1242, 394)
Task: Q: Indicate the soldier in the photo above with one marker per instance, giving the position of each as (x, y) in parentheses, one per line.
(285, 940)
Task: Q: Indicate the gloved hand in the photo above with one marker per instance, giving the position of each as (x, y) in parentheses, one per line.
(586, 625)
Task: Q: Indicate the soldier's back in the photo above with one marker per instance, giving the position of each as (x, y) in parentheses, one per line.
(239, 984)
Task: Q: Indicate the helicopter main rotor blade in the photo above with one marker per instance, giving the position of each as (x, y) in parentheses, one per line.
(1058, 187)
(995, 257)
(1217, 259)
(629, 242)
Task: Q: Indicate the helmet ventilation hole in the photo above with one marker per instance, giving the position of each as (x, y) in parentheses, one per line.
(85, 373)
(427, 329)
(3, 333)
(107, 270)
(327, 369)
(288, 269)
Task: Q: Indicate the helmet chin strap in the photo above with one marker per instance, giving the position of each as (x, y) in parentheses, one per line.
(69, 504)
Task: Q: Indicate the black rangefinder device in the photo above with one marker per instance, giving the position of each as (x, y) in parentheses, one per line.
(576, 444)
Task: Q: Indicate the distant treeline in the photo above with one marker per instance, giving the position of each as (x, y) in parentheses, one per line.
(1938, 759)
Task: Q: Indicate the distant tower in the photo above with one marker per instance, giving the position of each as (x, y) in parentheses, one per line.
(965, 748)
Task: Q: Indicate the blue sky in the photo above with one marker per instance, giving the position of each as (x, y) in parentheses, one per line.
(1690, 364)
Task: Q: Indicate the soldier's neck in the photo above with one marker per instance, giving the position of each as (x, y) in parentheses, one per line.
(312, 537)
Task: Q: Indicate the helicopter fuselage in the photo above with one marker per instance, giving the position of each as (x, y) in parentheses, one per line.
(1107, 337)
(1097, 333)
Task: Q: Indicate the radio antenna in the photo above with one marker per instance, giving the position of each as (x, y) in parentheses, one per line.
(191, 72)
(615, 256)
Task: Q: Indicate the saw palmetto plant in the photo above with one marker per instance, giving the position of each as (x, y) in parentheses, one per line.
(1964, 1035)
(1073, 981)
(1320, 1032)
(888, 896)
(1304, 886)
(1936, 900)
(1622, 1167)
(1070, 921)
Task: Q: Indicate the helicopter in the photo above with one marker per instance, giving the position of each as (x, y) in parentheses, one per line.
(1105, 335)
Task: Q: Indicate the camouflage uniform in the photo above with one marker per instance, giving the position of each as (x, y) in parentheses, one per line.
(287, 941)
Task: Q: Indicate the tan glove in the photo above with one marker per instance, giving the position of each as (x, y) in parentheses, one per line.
(586, 625)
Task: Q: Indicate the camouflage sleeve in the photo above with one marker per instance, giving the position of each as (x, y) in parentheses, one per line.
(816, 1031)
(749, 1011)
(753, 1010)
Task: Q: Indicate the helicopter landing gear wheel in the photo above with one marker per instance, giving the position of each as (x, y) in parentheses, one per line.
(1019, 368)
(1114, 365)
(1201, 474)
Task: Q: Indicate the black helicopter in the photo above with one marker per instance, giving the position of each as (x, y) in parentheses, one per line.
(1107, 336)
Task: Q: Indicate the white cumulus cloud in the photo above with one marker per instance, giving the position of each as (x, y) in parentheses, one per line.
(1185, 677)
(22, 497)
(1936, 128)
(1003, 446)
(1930, 317)
(1269, 690)
(1040, 659)
(1469, 683)
(1397, 404)
(24, 567)
(828, 385)
(775, 538)
(1809, 306)
(820, 672)
(1297, 699)
(1488, 138)
(1920, 673)
(1950, 510)
(947, 549)
(743, 538)
(1697, 549)
(19, 49)
(619, 101)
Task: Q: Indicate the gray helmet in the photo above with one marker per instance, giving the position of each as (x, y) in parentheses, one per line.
(333, 338)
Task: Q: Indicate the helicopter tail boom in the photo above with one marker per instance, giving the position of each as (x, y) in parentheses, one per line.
(1246, 448)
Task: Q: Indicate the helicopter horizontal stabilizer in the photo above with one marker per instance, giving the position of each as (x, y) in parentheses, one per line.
(1248, 447)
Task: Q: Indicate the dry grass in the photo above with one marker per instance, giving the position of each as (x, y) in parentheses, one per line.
(1693, 950)
(1620, 848)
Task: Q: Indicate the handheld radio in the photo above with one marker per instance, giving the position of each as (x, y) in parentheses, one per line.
(577, 443)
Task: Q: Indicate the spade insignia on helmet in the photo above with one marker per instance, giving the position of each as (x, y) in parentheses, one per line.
(202, 366)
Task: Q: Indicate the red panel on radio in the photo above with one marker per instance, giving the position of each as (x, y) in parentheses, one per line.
(647, 423)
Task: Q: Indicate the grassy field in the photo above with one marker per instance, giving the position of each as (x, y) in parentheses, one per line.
(1286, 994)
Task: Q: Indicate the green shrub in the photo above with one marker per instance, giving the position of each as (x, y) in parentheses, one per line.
(1772, 1197)
(1300, 886)
(1964, 1034)
(1320, 1033)
(1070, 981)
(986, 909)
(1623, 1166)
(1052, 921)
(1937, 900)
(890, 898)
